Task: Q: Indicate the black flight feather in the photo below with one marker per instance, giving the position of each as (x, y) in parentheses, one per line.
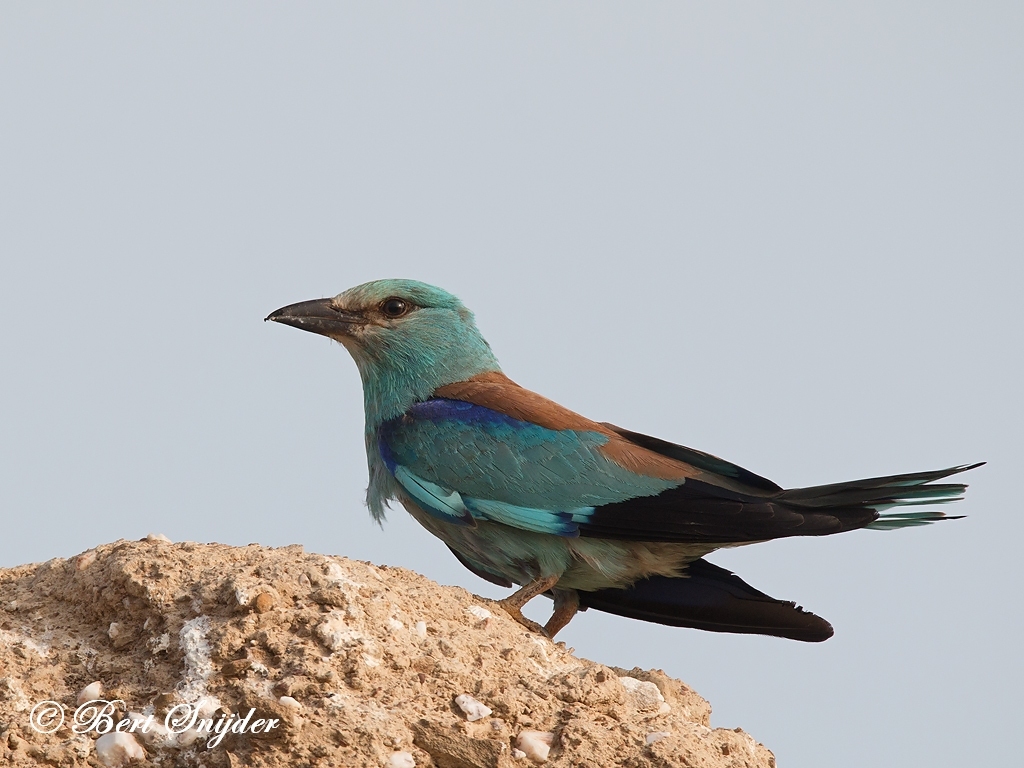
(712, 599)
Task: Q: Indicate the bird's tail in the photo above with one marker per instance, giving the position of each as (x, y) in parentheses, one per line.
(710, 598)
(878, 494)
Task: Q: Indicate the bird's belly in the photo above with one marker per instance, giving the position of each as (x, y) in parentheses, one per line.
(583, 563)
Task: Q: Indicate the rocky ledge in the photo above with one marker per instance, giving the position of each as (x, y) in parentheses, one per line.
(154, 653)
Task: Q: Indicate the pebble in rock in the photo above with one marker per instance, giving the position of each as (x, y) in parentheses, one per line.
(119, 749)
(473, 709)
(91, 692)
(401, 760)
(85, 560)
(536, 744)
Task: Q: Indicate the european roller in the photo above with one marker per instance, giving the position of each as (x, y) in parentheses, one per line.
(525, 492)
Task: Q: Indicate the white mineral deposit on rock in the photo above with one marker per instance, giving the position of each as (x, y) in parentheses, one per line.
(337, 575)
(656, 736)
(119, 749)
(473, 709)
(157, 537)
(401, 760)
(645, 695)
(80, 746)
(185, 739)
(335, 634)
(538, 648)
(479, 611)
(114, 630)
(160, 643)
(90, 692)
(205, 708)
(420, 629)
(198, 665)
(288, 701)
(152, 731)
(536, 745)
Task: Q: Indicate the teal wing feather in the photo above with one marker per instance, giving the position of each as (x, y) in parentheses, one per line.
(464, 462)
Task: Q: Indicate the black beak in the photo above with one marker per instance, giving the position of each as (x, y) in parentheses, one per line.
(317, 316)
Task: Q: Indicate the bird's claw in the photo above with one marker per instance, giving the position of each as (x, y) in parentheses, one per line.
(517, 614)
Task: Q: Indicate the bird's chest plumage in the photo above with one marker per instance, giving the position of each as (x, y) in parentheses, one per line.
(516, 555)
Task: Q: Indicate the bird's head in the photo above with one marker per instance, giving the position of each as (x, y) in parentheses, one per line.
(407, 339)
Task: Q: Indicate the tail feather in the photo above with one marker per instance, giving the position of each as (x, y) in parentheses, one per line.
(712, 599)
(892, 482)
(883, 493)
(909, 520)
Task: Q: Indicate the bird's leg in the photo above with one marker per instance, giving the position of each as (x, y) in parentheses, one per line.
(567, 602)
(513, 604)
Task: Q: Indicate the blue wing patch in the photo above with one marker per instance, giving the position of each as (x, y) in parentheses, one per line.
(463, 462)
(452, 507)
(527, 518)
(443, 504)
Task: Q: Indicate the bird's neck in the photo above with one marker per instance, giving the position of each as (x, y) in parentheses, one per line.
(390, 387)
(388, 392)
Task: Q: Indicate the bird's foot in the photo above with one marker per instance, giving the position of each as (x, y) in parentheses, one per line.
(567, 603)
(513, 610)
(513, 604)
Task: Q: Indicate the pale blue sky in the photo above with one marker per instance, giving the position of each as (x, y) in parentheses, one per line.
(788, 235)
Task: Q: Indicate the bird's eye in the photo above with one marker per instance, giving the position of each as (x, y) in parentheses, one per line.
(394, 307)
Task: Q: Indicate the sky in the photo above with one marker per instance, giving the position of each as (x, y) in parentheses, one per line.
(787, 234)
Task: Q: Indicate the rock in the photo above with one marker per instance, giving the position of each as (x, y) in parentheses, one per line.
(344, 663)
(473, 709)
(451, 749)
(119, 749)
(645, 695)
(288, 701)
(401, 760)
(90, 692)
(236, 668)
(535, 745)
(264, 602)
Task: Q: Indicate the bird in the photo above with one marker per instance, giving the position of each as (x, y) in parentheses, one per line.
(527, 493)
